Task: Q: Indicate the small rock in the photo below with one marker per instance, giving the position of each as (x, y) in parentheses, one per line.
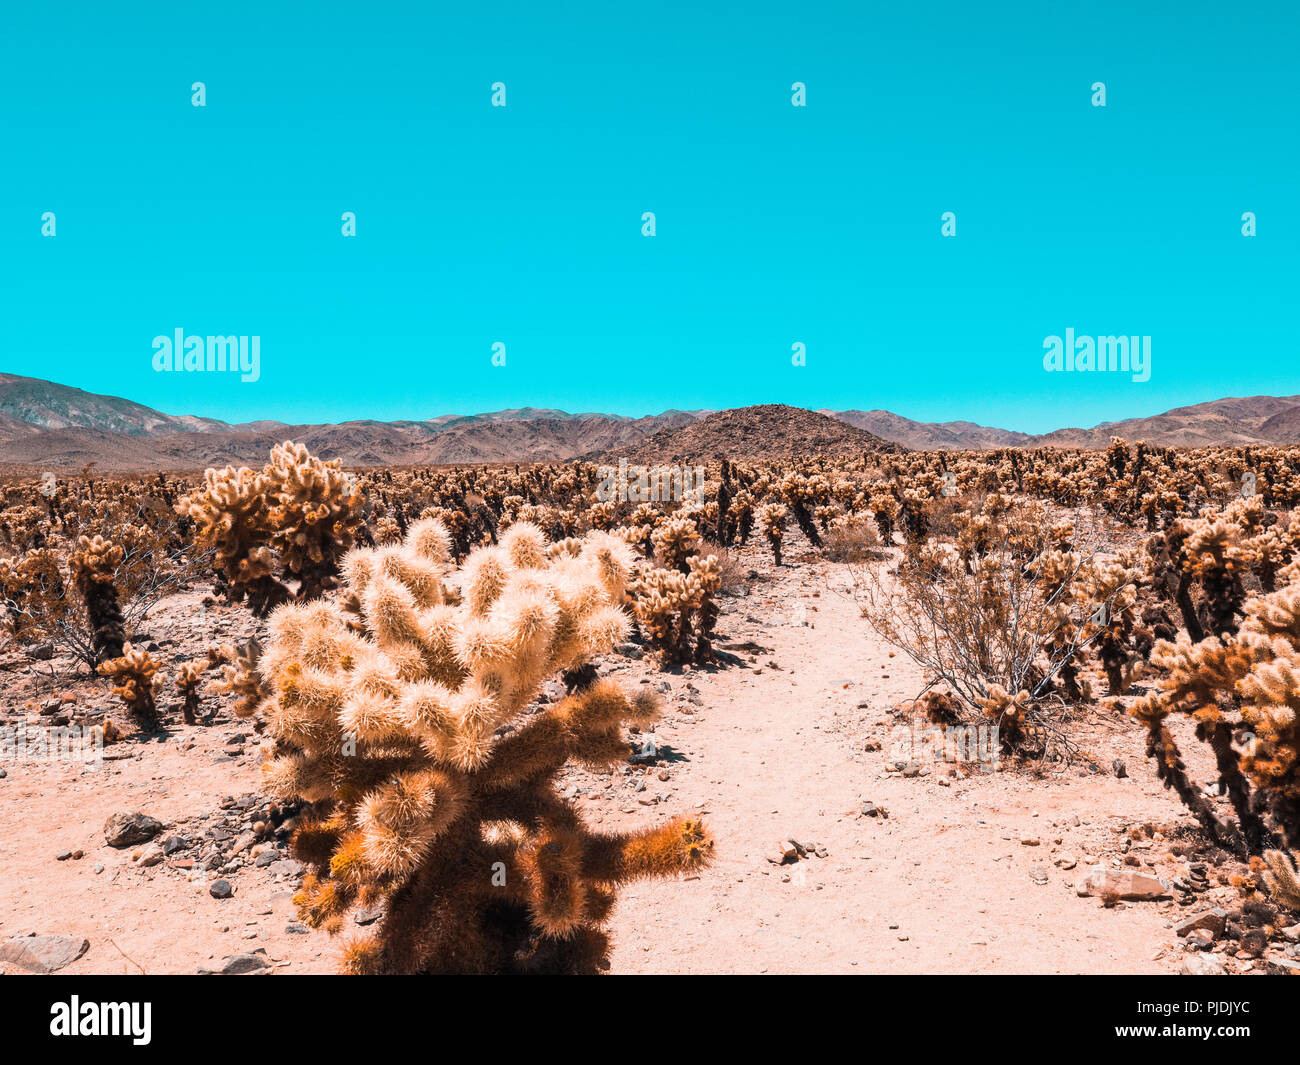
(1211, 921)
(63, 856)
(369, 915)
(152, 855)
(1119, 768)
(220, 889)
(241, 964)
(1065, 861)
(1038, 874)
(1283, 966)
(786, 851)
(296, 928)
(1203, 965)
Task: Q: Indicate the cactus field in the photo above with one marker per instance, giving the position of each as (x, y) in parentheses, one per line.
(1011, 710)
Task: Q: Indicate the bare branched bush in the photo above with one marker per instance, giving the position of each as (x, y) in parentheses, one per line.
(999, 618)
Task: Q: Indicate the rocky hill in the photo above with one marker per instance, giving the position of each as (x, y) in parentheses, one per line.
(44, 425)
(771, 431)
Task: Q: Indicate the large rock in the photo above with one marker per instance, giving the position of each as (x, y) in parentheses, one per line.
(43, 954)
(126, 829)
(1123, 883)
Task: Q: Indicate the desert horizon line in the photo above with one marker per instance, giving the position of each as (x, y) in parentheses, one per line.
(1150, 410)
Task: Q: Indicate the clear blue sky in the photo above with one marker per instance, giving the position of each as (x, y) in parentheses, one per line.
(775, 224)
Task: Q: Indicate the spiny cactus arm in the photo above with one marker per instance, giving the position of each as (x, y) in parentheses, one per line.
(1282, 878)
(680, 846)
(552, 867)
(584, 726)
(538, 749)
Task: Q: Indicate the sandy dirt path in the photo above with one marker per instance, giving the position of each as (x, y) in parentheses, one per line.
(942, 885)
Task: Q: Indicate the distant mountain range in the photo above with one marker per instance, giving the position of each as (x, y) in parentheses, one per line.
(48, 425)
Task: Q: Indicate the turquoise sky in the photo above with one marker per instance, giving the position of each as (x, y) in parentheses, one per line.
(775, 224)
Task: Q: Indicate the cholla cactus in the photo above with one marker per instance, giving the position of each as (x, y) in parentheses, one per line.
(915, 514)
(1282, 878)
(1246, 686)
(1214, 555)
(740, 518)
(298, 508)
(676, 542)
(679, 610)
(1111, 587)
(232, 516)
(187, 680)
(430, 792)
(93, 565)
(316, 512)
(772, 518)
(137, 683)
(241, 677)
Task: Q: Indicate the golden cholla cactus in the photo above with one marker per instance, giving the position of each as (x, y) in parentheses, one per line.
(676, 542)
(1010, 713)
(740, 518)
(136, 683)
(187, 680)
(315, 514)
(679, 610)
(299, 511)
(1243, 693)
(772, 518)
(232, 516)
(1108, 587)
(93, 566)
(1282, 878)
(386, 530)
(433, 792)
(241, 677)
(33, 593)
(1214, 555)
(603, 514)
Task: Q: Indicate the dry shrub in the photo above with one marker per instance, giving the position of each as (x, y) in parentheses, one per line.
(733, 575)
(853, 539)
(998, 617)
